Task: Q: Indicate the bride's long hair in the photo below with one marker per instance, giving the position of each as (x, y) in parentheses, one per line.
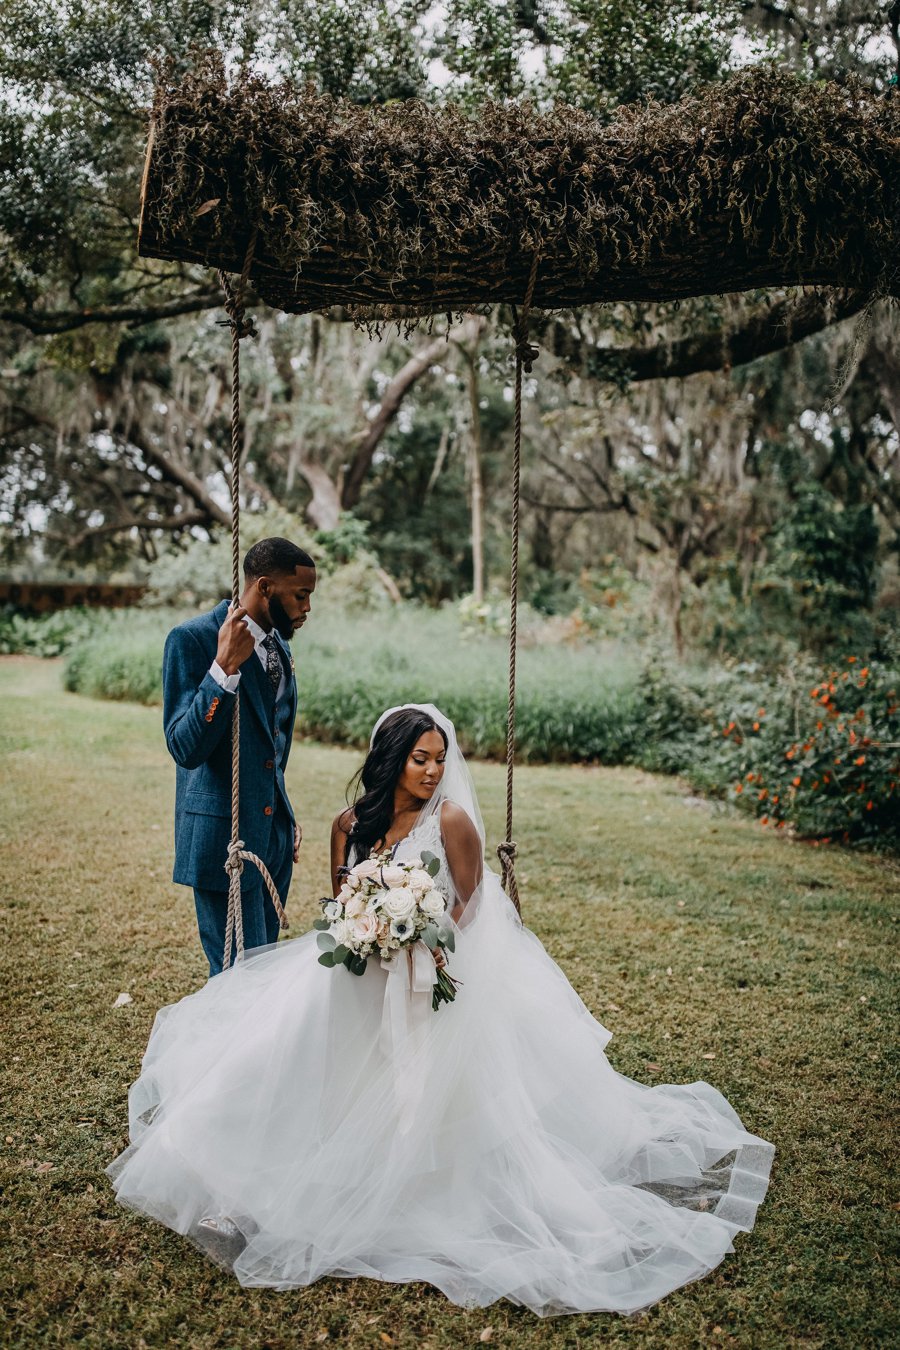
(373, 807)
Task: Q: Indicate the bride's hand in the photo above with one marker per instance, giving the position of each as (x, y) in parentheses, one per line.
(440, 959)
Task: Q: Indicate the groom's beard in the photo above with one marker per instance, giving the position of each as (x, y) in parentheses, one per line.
(280, 618)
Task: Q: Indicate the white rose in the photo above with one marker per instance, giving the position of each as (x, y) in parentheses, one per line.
(393, 875)
(356, 905)
(342, 932)
(352, 882)
(419, 879)
(364, 928)
(344, 893)
(367, 868)
(432, 905)
(399, 903)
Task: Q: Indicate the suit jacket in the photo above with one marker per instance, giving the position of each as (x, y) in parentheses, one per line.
(197, 716)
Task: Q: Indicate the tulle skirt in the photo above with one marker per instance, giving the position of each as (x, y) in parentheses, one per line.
(488, 1148)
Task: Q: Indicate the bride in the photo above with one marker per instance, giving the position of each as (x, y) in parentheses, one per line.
(296, 1121)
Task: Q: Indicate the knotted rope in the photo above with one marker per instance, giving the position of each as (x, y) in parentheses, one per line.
(241, 327)
(526, 355)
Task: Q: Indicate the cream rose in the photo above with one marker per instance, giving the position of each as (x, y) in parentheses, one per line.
(419, 879)
(432, 905)
(399, 903)
(364, 928)
(393, 875)
(366, 869)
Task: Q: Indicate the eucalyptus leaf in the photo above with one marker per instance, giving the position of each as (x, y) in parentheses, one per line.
(430, 863)
(358, 965)
(326, 959)
(340, 954)
(429, 935)
(448, 939)
(326, 942)
(322, 924)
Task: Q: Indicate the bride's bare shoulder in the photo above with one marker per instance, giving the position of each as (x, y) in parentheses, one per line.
(456, 823)
(343, 822)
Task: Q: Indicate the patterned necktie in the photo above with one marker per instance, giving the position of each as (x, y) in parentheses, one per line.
(273, 662)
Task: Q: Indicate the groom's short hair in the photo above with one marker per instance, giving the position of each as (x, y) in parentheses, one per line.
(275, 557)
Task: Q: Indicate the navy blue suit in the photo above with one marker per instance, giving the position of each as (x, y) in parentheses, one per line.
(197, 715)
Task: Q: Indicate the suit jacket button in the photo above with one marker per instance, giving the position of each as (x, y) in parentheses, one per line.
(270, 764)
(268, 810)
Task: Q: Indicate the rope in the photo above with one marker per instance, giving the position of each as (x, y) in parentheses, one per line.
(526, 355)
(241, 327)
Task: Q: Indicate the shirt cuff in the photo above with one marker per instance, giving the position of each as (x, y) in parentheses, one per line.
(227, 682)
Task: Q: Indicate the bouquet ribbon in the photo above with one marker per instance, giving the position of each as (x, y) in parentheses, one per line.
(407, 1007)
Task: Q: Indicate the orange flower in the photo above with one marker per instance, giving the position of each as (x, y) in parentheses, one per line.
(789, 754)
(796, 781)
(819, 726)
(860, 759)
(864, 672)
(738, 787)
(761, 712)
(764, 820)
(814, 693)
(838, 761)
(756, 726)
(846, 675)
(851, 659)
(775, 799)
(869, 805)
(763, 794)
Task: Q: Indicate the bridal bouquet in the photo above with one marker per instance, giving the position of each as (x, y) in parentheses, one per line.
(385, 906)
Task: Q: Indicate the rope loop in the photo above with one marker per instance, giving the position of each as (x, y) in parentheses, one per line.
(506, 852)
(235, 860)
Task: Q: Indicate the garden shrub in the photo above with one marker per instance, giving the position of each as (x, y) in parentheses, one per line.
(814, 750)
(46, 634)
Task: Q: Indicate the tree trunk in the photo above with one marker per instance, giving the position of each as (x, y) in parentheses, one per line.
(324, 507)
(399, 387)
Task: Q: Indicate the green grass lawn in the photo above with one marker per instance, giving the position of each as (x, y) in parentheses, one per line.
(711, 949)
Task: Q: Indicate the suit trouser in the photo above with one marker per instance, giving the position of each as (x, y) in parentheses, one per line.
(261, 925)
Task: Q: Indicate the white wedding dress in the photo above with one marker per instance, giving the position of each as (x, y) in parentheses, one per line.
(488, 1148)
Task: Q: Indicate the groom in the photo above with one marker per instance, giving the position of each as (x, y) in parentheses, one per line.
(205, 661)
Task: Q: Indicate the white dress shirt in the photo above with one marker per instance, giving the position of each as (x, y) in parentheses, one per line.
(231, 682)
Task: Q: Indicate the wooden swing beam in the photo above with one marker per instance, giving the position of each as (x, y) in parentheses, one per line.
(762, 181)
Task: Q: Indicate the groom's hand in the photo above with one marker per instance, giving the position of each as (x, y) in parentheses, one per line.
(235, 641)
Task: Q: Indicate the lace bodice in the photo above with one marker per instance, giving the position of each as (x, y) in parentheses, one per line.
(427, 838)
(424, 838)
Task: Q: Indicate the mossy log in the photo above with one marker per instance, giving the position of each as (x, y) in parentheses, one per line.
(763, 180)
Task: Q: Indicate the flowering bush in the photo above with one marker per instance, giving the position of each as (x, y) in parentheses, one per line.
(810, 751)
(829, 762)
(823, 756)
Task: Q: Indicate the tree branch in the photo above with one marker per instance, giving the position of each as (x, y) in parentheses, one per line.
(417, 365)
(44, 323)
(765, 332)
